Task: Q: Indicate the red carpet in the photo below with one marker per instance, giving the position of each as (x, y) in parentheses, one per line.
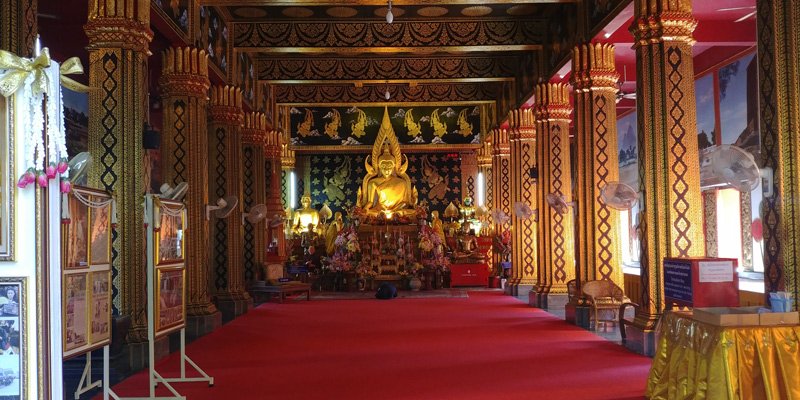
(487, 346)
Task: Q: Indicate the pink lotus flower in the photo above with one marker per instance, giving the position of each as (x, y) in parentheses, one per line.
(42, 180)
(62, 167)
(50, 171)
(66, 186)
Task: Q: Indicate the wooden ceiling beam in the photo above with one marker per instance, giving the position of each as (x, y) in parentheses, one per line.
(355, 3)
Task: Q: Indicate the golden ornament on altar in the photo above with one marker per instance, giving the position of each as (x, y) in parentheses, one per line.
(305, 219)
(386, 188)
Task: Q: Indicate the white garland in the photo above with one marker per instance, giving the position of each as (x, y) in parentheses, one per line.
(88, 202)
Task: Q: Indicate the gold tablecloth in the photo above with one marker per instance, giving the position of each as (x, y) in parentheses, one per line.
(696, 360)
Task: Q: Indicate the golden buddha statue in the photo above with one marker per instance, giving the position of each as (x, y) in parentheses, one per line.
(305, 219)
(436, 225)
(386, 189)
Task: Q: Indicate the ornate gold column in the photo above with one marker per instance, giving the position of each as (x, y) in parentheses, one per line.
(779, 102)
(224, 166)
(184, 89)
(501, 184)
(671, 223)
(469, 175)
(287, 167)
(524, 262)
(484, 158)
(19, 26)
(556, 230)
(274, 168)
(594, 82)
(254, 191)
(118, 51)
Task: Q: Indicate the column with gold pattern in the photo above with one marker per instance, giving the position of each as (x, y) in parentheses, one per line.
(287, 167)
(671, 222)
(501, 191)
(556, 229)
(524, 262)
(469, 175)
(118, 49)
(275, 208)
(18, 27)
(779, 102)
(483, 196)
(594, 82)
(254, 191)
(184, 90)
(224, 170)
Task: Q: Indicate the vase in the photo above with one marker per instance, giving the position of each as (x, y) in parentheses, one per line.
(415, 284)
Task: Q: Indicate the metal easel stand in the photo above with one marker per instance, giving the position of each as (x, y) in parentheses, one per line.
(154, 377)
(86, 377)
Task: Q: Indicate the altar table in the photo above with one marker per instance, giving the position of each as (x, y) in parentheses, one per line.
(469, 274)
(696, 360)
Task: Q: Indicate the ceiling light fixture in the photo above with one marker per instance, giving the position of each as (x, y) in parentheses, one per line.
(389, 18)
(607, 35)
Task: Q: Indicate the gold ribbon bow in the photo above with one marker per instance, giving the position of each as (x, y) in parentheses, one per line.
(18, 69)
(70, 67)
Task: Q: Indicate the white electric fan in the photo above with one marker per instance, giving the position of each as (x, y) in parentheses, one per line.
(257, 213)
(523, 211)
(618, 195)
(499, 216)
(223, 208)
(177, 193)
(79, 168)
(736, 167)
(558, 203)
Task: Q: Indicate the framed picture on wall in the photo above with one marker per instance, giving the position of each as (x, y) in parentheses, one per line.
(170, 304)
(100, 238)
(7, 180)
(77, 235)
(75, 320)
(169, 239)
(100, 321)
(13, 338)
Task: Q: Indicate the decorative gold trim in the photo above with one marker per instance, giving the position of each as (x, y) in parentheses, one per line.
(8, 187)
(405, 148)
(22, 297)
(392, 50)
(392, 104)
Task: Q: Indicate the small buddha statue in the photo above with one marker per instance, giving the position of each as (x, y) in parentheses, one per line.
(305, 219)
(386, 189)
(436, 225)
(333, 231)
(467, 214)
(468, 248)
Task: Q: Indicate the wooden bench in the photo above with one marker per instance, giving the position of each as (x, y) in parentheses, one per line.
(282, 290)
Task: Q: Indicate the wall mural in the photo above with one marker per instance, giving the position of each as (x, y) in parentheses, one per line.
(213, 38)
(320, 126)
(433, 92)
(335, 179)
(706, 115)
(76, 121)
(177, 12)
(562, 33)
(246, 77)
(628, 150)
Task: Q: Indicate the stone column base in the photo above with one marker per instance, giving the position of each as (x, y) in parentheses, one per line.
(138, 353)
(640, 341)
(578, 315)
(201, 325)
(517, 289)
(234, 307)
(549, 301)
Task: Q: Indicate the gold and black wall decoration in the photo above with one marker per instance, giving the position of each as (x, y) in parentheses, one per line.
(354, 68)
(177, 13)
(334, 179)
(212, 36)
(434, 92)
(514, 34)
(246, 77)
(358, 125)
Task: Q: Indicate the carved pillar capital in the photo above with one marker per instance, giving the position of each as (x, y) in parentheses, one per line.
(658, 21)
(485, 154)
(500, 143)
(184, 71)
(593, 68)
(225, 105)
(552, 102)
(110, 26)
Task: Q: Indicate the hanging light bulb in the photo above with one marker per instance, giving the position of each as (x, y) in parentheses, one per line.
(387, 95)
(389, 15)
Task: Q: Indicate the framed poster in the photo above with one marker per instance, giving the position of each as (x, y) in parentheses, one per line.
(170, 304)
(13, 338)
(77, 235)
(100, 242)
(169, 239)
(100, 321)
(7, 180)
(76, 322)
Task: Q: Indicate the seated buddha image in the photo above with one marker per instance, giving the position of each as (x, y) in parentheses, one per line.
(386, 190)
(305, 219)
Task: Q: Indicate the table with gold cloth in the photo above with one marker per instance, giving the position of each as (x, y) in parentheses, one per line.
(696, 360)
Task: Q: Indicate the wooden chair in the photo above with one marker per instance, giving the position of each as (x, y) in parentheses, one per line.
(605, 299)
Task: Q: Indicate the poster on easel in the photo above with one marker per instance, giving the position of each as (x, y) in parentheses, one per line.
(170, 273)
(86, 270)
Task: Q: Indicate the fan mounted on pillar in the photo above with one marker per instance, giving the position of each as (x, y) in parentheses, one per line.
(558, 203)
(79, 167)
(523, 211)
(618, 196)
(256, 214)
(177, 193)
(223, 208)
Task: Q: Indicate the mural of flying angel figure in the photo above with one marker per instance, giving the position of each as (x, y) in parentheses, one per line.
(332, 128)
(414, 129)
(436, 183)
(306, 127)
(359, 124)
(439, 126)
(464, 127)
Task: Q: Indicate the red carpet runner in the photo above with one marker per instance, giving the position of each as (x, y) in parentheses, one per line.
(487, 346)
